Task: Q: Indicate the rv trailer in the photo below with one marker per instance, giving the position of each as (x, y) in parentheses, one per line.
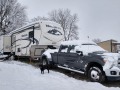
(31, 40)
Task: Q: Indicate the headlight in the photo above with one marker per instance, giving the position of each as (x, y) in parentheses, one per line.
(105, 60)
(109, 62)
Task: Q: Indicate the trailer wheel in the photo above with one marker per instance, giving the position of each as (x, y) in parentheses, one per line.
(12, 58)
(95, 74)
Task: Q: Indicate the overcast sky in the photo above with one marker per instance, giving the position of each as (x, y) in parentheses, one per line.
(97, 18)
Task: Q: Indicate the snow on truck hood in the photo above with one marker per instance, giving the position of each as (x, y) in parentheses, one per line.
(49, 51)
(115, 56)
(111, 60)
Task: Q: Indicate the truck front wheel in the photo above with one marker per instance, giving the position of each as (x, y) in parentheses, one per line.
(95, 74)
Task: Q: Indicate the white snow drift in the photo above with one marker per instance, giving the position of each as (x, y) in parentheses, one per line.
(19, 76)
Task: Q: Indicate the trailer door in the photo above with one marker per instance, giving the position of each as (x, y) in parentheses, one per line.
(7, 44)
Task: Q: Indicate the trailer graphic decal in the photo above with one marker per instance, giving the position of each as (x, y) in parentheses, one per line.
(28, 39)
(54, 32)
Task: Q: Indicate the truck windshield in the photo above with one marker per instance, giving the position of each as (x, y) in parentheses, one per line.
(99, 52)
(89, 44)
(92, 48)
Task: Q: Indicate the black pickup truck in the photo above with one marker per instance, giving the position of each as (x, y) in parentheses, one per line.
(86, 58)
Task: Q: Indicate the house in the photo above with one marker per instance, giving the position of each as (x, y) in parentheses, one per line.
(110, 45)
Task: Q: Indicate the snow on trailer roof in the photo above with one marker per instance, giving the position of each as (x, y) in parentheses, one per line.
(22, 28)
(78, 42)
(29, 25)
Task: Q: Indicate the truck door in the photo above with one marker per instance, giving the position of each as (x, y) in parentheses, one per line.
(73, 59)
(62, 55)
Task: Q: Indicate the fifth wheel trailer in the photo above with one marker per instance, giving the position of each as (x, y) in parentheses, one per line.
(32, 40)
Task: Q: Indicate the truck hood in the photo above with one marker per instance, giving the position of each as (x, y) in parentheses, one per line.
(115, 56)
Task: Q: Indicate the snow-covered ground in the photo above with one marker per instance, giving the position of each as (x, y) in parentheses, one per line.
(20, 76)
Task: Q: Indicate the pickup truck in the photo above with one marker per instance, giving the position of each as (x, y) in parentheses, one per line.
(85, 57)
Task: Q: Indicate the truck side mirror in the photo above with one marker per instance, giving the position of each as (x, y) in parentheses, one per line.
(80, 53)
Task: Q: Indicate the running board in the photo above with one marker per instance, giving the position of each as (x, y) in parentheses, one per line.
(71, 69)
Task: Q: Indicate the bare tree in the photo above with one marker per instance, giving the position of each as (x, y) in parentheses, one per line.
(38, 18)
(12, 15)
(67, 21)
(97, 40)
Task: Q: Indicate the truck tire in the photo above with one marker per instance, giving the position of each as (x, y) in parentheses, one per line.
(44, 62)
(95, 74)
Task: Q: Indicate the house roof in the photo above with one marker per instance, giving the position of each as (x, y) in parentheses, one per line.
(116, 43)
(113, 42)
(108, 40)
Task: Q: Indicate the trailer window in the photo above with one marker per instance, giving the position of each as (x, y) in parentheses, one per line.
(71, 48)
(18, 50)
(31, 34)
(64, 48)
(54, 32)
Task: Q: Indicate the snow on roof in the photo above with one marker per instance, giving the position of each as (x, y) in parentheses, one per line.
(78, 42)
(22, 28)
(85, 46)
(108, 40)
(25, 74)
(30, 25)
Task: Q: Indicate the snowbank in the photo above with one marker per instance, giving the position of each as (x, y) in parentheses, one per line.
(19, 76)
(49, 51)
